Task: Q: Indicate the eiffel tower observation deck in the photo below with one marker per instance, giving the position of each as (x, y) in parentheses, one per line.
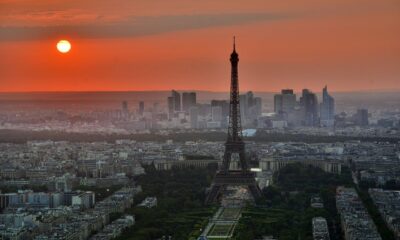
(233, 145)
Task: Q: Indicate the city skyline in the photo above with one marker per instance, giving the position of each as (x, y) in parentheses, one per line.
(347, 45)
(136, 120)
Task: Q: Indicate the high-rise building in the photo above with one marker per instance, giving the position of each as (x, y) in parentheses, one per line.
(174, 103)
(327, 109)
(361, 117)
(250, 107)
(216, 114)
(124, 106)
(194, 117)
(243, 107)
(171, 107)
(258, 106)
(177, 100)
(141, 108)
(309, 103)
(250, 98)
(224, 106)
(285, 102)
(188, 100)
(204, 109)
(125, 111)
(278, 103)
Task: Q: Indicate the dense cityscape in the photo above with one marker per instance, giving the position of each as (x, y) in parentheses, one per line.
(55, 185)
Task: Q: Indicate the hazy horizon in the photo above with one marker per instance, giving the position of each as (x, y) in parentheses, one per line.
(345, 101)
(194, 90)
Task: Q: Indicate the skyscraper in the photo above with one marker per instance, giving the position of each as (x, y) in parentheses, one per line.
(188, 100)
(177, 100)
(361, 117)
(174, 103)
(243, 107)
(216, 114)
(309, 103)
(285, 102)
(258, 106)
(141, 108)
(125, 111)
(327, 109)
(250, 107)
(225, 110)
(194, 117)
(171, 107)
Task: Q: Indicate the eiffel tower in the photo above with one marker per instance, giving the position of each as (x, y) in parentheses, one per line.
(233, 145)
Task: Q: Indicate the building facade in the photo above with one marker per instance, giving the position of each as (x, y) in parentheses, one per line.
(327, 109)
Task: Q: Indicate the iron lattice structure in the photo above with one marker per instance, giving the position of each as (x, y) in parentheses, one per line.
(234, 145)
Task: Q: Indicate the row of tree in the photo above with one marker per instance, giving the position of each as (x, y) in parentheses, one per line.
(21, 136)
(181, 213)
(285, 211)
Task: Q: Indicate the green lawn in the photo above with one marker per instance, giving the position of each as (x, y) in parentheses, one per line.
(230, 214)
(221, 230)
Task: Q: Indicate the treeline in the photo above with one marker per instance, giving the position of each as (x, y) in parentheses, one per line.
(290, 137)
(180, 212)
(285, 211)
(373, 211)
(22, 136)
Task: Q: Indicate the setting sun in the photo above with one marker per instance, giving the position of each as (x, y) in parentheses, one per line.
(63, 46)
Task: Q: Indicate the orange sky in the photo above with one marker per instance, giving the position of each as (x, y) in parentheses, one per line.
(185, 44)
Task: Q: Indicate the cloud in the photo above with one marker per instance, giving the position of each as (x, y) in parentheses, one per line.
(135, 26)
(83, 22)
(55, 18)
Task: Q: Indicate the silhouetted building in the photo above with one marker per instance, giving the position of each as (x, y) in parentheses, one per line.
(243, 107)
(188, 100)
(141, 108)
(204, 109)
(258, 106)
(361, 117)
(309, 103)
(250, 107)
(174, 103)
(125, 111)
(224, 106)
(177, 100)
(216, 114)
(171, 107)
(194, 117)
(287, 109)
(327, 109)
(285, 102)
